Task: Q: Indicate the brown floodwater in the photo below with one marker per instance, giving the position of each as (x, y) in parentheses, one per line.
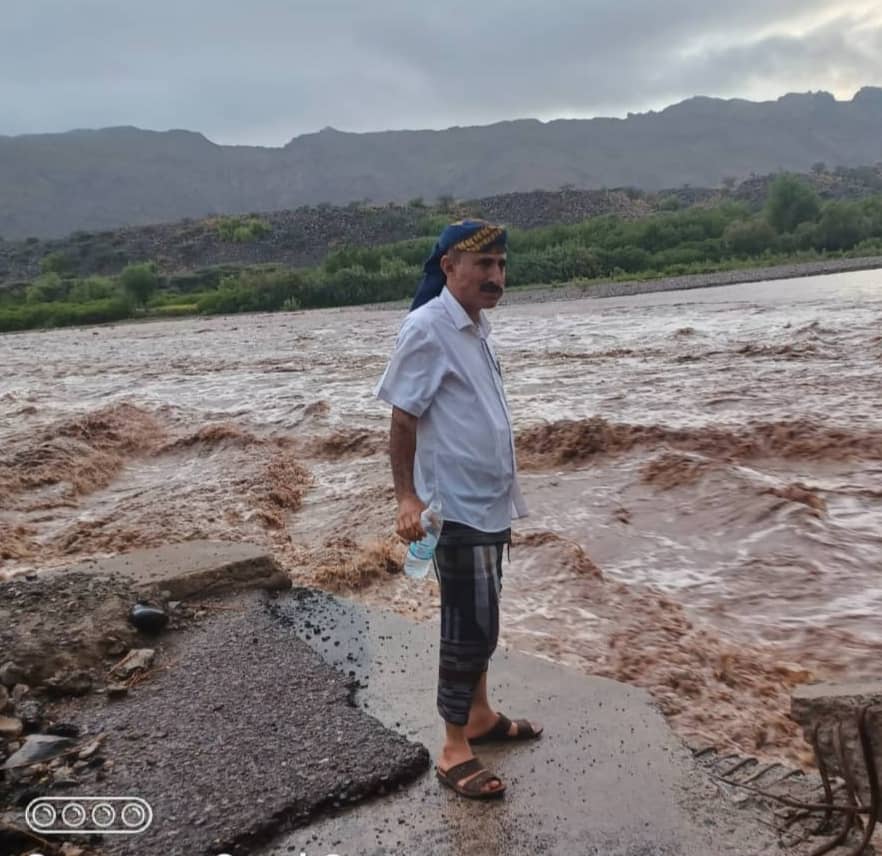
(703, 470)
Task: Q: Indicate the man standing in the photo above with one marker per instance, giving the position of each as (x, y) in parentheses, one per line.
(451, 438)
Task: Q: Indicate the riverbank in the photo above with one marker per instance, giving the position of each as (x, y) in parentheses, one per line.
(626, 288)
(580, 290)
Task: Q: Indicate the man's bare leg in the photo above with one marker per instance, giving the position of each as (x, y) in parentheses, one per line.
(456, 751)
(482, 717)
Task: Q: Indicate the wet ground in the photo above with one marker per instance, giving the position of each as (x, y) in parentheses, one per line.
(702, 470)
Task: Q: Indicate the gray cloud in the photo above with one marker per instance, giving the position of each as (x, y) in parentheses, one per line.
(262, 72)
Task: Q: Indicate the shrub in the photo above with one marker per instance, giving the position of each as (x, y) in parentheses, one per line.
(48, 288)
(791, 202)
(57, 262)
(841, 226)
(748, 237)
(139, 281)
(242, 229)
(93, 288)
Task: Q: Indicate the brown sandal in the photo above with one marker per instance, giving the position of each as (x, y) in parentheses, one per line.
(499, 731)
(473, 788)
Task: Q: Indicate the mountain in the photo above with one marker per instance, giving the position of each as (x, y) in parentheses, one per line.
(52, 184)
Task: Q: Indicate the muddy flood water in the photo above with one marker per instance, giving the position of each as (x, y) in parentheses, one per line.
(703, 469)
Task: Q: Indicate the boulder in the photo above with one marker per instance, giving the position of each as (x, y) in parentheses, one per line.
(38, 747)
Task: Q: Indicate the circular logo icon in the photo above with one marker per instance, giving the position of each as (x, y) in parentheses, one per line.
(73, 815)
(103, 815)
(43, 815)
(133, 815)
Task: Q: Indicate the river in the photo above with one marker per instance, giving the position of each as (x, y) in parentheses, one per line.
(703, 470)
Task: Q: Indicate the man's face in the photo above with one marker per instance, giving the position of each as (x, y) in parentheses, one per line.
(476, 279)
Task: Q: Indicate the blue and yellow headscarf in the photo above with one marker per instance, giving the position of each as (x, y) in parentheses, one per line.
(469, 236)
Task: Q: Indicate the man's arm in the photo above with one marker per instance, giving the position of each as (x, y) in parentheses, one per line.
(402, 448)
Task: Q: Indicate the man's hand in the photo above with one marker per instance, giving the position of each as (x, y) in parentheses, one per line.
(409, 528)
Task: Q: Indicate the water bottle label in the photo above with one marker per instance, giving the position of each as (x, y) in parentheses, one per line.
(425, 549)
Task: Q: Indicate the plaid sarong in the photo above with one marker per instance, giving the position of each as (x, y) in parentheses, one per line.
(470, 577)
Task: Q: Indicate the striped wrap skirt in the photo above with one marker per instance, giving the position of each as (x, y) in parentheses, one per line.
(468, 565)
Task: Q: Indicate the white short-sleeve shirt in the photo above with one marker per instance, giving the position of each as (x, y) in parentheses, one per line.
(445, 372)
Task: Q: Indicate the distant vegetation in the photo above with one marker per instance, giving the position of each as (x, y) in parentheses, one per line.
(242, 229)
(794, 225)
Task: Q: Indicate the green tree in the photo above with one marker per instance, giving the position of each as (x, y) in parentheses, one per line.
(748, 237)
(93, 288)
(48, 288)
(842, 225)
(791, 202)
(139, 281)
(56, 262)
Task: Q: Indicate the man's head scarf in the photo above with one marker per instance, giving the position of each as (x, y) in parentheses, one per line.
(468, 236)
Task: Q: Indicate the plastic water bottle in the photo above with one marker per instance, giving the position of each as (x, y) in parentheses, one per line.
(420, 553)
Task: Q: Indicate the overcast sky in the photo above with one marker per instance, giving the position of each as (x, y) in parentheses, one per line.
(262, 71)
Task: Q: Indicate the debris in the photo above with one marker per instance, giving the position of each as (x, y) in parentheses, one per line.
(137, 660)
(117, 690)
(90, 749)
(78, 683)
(30, 712)
(11, 674)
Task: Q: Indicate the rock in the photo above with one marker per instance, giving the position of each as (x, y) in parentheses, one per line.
(90, 749)
(147, 618)
(11, 674)
(68, 849)
(30, 711)
(113, 645)
(38, 747)
(64, 777)
(831, 707)
(78, 683)
(10, 728)
(4, 698)
(138, 659)
(117, 690)
(20, 692)
(64, 729)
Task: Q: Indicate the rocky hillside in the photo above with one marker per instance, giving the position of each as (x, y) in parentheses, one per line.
(52, 184)
(304, 236)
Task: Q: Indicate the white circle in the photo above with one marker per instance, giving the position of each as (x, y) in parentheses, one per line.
(131, 809)
(43, 815)
(77, 811)
(103, 815)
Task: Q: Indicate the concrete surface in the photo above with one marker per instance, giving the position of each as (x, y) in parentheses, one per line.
(607, 778)
(194, 568)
